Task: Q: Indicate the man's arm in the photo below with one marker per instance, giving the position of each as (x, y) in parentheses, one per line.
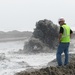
(60, 34)
(71, 32)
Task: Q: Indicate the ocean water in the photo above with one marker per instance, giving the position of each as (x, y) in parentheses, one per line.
(11, 61)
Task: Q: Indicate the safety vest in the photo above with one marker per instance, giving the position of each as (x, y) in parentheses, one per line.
(66, 34)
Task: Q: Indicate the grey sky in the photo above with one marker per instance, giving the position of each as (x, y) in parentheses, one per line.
(23, 14)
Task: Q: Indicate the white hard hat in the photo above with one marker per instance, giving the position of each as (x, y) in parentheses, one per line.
(61, 19)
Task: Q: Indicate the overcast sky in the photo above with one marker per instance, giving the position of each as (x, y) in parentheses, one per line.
(22, 15)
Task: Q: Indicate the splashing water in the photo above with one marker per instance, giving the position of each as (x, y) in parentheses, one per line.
(12, 62)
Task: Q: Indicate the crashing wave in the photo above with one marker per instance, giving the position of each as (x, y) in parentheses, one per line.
(44, 37)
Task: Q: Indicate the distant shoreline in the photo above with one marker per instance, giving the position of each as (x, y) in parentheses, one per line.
(13, 39)
(14, 35)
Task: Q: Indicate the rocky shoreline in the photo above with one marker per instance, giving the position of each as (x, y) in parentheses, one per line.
(52, 69)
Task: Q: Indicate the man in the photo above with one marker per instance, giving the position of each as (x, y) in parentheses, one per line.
(64, 41)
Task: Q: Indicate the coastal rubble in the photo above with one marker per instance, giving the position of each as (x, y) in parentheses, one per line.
(53, 70)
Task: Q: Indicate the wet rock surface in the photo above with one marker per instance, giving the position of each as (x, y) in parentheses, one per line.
(53, 70)
(64, 70)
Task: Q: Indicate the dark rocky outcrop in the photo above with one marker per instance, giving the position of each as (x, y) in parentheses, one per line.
(54, 70)
(45, 35)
